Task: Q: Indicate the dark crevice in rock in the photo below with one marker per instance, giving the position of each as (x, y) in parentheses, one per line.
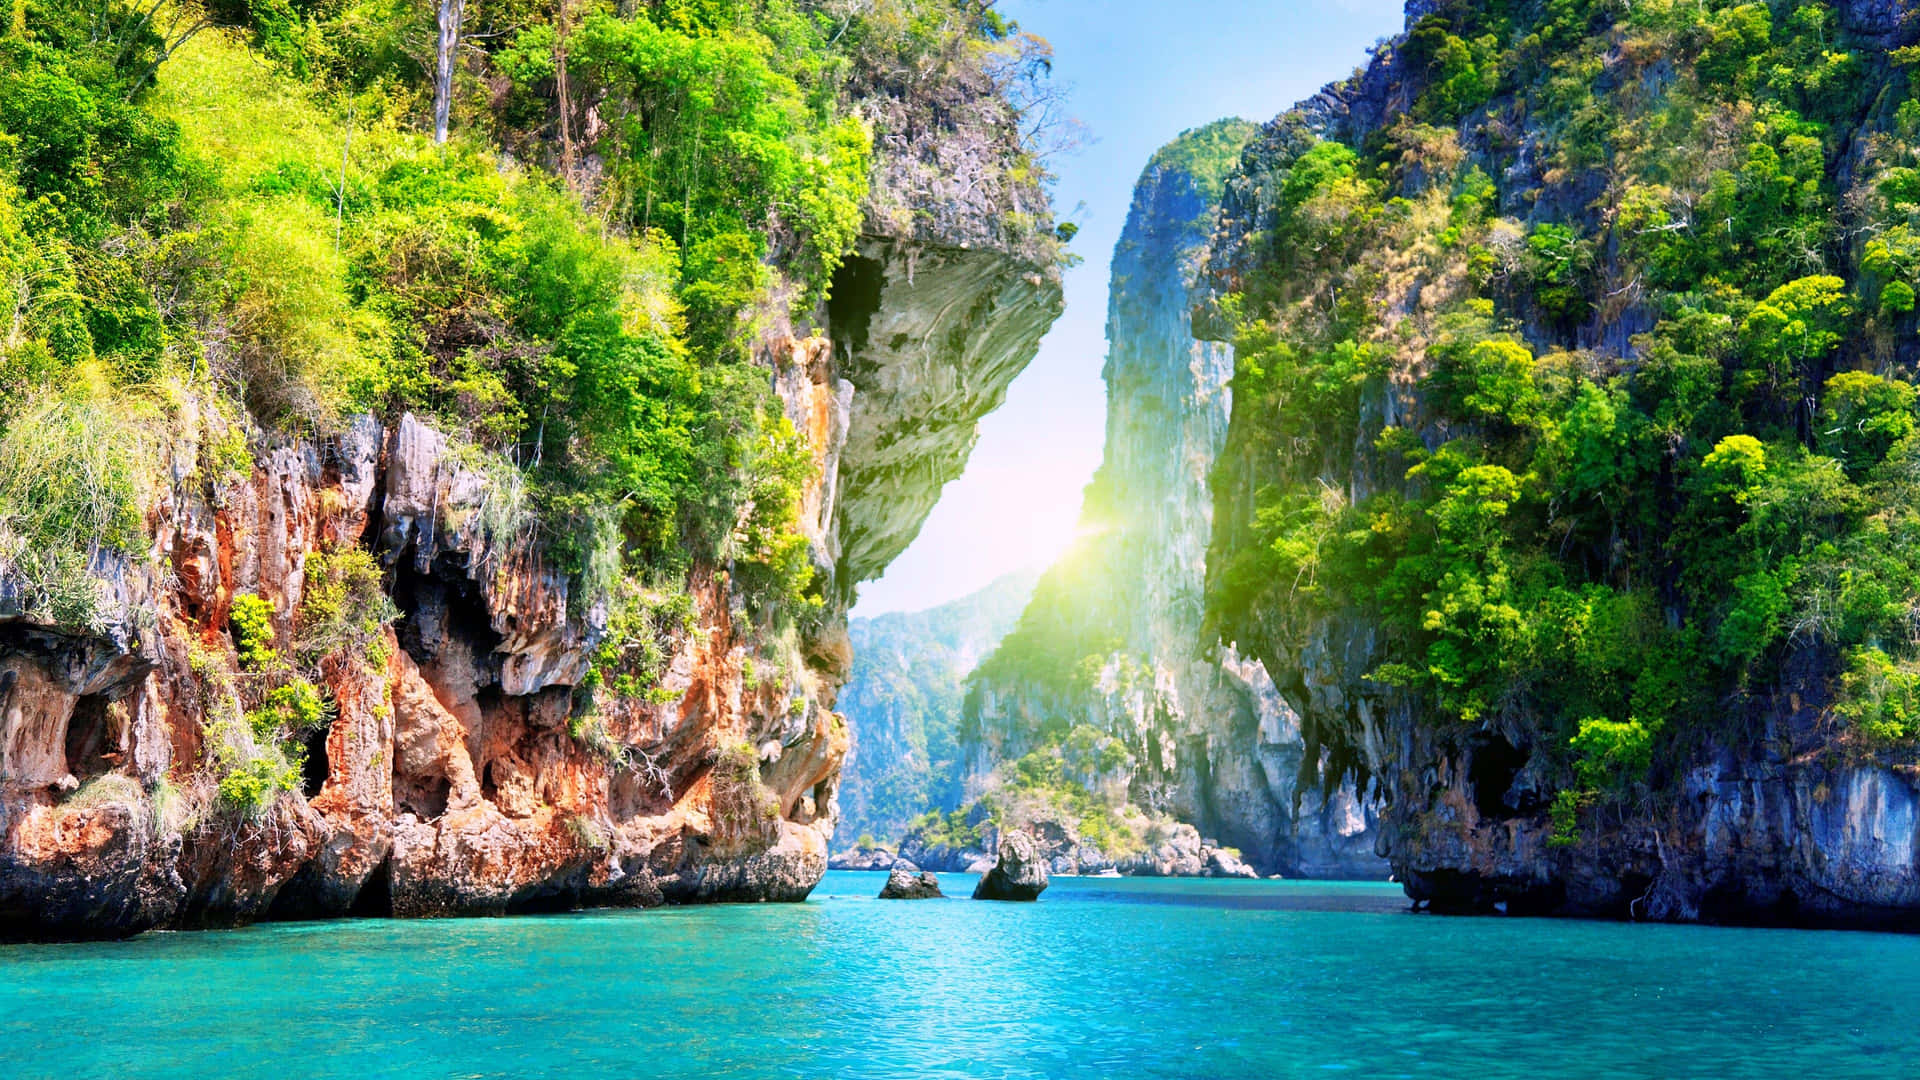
(545, 902)
(375, 899)
(316, 768)
(423, 797)
(1635, 887)
(854, 301)
(88, 740)
(439, 609)
(1492, 765)
(305, 898)
(490, 782)
(497, 712)
(1455, 892)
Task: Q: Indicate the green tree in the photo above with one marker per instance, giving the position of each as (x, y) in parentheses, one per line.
(1791, 331)
(1862, 416)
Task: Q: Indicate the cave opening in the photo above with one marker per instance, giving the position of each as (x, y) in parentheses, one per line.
(88, 743)
(851, 304)
(550, 901)
(1636, 889)
(424, 797)
(316, 767)
(375, 898)
(1490, 773)
(441, 608)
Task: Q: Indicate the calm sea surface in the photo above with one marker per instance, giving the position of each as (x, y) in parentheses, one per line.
(1101, 978)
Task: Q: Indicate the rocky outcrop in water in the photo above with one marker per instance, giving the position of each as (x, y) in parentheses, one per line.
(1185, 854)
(1777, 812)
(1020, 874)
(905, 882)
(454, 775)
(1108, 670)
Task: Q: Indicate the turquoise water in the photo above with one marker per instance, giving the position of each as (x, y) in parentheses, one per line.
(1102, 978)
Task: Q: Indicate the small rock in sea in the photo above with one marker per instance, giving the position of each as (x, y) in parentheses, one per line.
(1221, 863)
(907, 882)
(1021, 874)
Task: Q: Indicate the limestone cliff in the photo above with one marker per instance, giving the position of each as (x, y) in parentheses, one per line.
(1108, 668)
(1762, 796)
(453, 771)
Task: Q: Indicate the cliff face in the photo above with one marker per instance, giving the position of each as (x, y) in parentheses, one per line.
(902, 703)
(452, 770)
(931, 338)
(448, 780)
(1765, 794)
(1107, 667)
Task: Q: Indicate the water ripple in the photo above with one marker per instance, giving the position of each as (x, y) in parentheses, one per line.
(1102, 978)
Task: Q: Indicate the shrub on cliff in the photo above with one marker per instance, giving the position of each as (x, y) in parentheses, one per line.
(344, 607)
(251, 762)
(253, 784)
(294, 708)
(745, 815)
(1881, 697)
(73, 488)
(642, 627)
(251, 620)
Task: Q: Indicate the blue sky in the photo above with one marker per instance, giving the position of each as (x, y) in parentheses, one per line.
(1142, 71)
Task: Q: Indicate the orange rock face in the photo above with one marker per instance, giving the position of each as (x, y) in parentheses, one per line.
(460, 765)
(454, 774)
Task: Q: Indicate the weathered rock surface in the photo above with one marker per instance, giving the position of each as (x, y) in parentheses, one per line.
(452, 777)
(1185, 854)
(949, 860)
(1225, 864)
(1019, 874)
(930, 339)
(1788, 832)
(906, 882)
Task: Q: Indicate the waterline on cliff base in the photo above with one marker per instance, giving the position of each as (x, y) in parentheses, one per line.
(1102, 978)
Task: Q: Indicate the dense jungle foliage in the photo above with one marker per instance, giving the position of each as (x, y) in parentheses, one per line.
(1588, 382)
(242, 204)
(228, 225)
